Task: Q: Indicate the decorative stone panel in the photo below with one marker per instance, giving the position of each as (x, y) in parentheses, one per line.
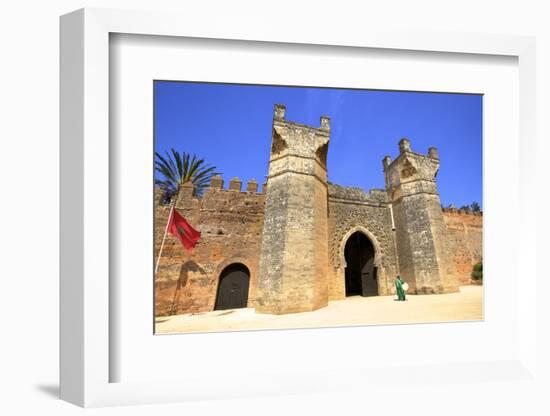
(374, 220)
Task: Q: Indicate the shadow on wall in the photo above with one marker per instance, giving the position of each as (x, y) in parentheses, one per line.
(188, 266)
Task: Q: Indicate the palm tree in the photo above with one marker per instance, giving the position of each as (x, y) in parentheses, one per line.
(177, 169)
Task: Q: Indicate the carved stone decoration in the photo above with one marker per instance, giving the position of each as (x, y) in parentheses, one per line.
(408, 170)
(321, 154)
(378, 233)
(279, 144)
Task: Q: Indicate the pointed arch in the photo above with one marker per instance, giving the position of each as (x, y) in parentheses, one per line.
(369, 235)
(361, 277)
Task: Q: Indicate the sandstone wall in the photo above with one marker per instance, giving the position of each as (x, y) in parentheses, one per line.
(294, 253)
(465, 237)
(350, 210)
(231, 223)
(425, 258)
(422, 243)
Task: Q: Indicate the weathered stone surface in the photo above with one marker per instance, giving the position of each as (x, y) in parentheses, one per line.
(421, 238)
(294, 254)
(231, 224)
(235, 184)
(465, 237)
(252, 186)
(350, 210)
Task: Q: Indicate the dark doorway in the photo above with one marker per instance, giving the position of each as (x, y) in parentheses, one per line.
(361, 278)
(233, 287)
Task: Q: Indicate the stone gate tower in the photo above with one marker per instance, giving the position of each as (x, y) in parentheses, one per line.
(424, 258)
(294, 250)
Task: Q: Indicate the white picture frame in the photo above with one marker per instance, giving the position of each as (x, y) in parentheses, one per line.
(86, 356)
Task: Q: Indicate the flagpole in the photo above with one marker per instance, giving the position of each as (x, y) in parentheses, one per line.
(164, 237)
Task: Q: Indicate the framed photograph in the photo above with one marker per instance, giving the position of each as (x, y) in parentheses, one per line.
(305, 250)
(269, 213)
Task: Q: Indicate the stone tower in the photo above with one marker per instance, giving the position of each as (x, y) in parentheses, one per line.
(424, 258)
(294, 250)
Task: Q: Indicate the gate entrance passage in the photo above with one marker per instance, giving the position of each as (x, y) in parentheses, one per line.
(361, 274)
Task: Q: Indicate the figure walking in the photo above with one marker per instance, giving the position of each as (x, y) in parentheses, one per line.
(399, 288)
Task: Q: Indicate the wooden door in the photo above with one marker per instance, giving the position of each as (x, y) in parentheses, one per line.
(233, 288)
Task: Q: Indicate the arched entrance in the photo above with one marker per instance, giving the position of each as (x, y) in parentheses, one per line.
(233, 287)
(361, 273)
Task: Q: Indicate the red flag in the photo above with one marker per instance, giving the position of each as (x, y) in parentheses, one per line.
(181, 229)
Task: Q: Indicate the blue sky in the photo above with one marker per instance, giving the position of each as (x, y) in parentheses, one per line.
(230, 127)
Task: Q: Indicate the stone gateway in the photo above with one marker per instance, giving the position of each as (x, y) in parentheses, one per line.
(303, 241)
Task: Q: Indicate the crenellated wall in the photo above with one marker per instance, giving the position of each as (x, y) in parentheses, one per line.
(230, 221)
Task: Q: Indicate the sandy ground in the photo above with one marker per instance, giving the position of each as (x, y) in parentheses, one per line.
(466, 305)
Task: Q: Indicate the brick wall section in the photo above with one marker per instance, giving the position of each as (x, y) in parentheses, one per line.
(465, 236)
(231, 224)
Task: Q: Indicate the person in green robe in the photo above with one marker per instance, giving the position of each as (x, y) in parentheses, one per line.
(399, 288)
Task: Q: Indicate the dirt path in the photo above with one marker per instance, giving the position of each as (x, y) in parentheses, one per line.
(465, 305)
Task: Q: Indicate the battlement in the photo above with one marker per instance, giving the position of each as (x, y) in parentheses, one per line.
(279, 118)
(404, 149)
(297, 148)
(411, 173)
(215, 204)
(457, 211)
(355, 194)
(215, 196)
(235, 184)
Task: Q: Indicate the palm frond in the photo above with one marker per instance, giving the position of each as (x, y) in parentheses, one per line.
(175, 169)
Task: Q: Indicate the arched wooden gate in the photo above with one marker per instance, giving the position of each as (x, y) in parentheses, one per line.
(233, 287)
